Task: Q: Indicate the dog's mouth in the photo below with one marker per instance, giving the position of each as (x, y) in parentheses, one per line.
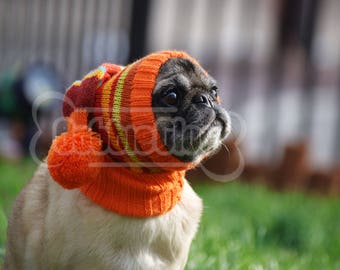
(195, 132)
(197, 140)
(220, 124)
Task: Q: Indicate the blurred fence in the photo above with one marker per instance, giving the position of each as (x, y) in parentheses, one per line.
(72, 35)
(277, 61)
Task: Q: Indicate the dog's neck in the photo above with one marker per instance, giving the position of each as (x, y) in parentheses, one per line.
(135, 194)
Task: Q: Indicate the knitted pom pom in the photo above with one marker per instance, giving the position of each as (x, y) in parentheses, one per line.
(72, 155)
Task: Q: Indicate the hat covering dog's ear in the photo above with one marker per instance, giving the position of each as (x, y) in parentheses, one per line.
(119, 100)
(121, 164)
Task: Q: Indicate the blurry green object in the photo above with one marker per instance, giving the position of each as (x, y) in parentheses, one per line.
(3, 225)
(8, 104)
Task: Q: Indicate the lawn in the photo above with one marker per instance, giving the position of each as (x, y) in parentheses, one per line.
(12, 178)
(243, 227)
(249, 227)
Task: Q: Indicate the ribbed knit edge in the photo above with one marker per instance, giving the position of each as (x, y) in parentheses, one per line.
(133, 194)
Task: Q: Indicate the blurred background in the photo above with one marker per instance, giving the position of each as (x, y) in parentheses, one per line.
(277, 63)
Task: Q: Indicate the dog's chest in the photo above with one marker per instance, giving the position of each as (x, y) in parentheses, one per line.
(111, 241)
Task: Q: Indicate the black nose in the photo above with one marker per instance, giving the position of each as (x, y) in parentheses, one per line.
(202, 99)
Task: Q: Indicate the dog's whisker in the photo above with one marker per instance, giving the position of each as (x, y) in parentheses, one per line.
(226, 148)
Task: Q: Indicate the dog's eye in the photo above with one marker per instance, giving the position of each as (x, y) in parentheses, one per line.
(213, 91)
(170, 97)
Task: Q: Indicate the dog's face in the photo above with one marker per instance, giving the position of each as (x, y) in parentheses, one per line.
(185, 102)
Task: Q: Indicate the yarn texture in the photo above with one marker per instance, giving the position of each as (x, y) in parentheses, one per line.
(112, 150)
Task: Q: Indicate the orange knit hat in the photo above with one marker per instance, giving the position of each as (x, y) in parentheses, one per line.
(123, 164)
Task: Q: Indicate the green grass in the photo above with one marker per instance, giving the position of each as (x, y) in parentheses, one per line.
(243, 227)
(13, 176)
(249, 227)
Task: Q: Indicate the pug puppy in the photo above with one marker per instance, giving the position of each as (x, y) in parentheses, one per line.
(54, 228)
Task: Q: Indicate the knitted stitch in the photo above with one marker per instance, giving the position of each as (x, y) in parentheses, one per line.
(122, 164)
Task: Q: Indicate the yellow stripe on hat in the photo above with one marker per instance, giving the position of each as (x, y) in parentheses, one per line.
(105, 102)
(116, 117)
